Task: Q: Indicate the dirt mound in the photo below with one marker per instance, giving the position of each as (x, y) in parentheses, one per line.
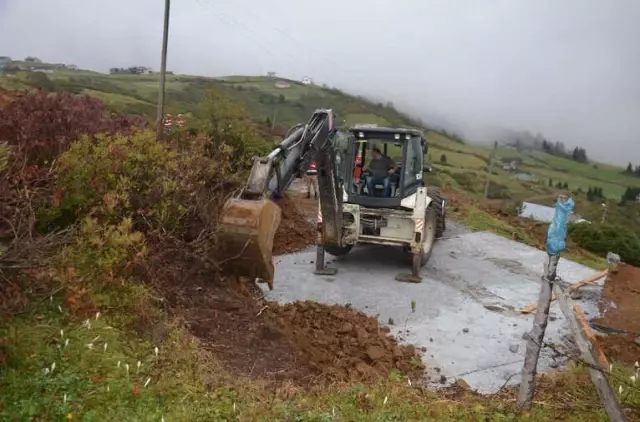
(342, 343)
(620, 301)
(305, 342)
(621, 348)
(296, 232)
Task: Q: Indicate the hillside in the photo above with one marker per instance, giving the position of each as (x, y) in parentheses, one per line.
(281, 103)
(292, 103)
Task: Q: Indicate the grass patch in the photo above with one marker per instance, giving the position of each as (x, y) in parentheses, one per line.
(182, 382)
(480, 218)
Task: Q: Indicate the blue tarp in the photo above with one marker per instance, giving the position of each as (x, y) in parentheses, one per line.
(557, 233)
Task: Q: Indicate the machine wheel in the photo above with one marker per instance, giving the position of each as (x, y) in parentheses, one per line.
(430, 233)
(338, 251)
(439, 206)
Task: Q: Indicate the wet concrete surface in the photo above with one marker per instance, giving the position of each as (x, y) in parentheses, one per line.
(466, 308)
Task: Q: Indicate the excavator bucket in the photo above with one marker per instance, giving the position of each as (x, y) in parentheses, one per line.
(246, 232)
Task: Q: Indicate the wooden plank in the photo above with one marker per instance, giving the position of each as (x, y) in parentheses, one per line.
(582, 319)
(592, 279)
(600, 382)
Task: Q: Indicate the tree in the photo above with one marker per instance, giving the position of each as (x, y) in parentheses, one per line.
(630, 168)
(565, 185)
(281, 99)
(550, 183)
(267, 121)
(579, 155)
(559, 185)
(630, 195)
(443, 159)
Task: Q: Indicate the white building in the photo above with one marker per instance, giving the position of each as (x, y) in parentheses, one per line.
(544, 214)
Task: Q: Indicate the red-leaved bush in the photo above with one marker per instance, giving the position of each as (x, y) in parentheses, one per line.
(41, 125)
(35, 128)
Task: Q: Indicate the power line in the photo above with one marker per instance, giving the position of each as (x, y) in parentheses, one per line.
(231, 21)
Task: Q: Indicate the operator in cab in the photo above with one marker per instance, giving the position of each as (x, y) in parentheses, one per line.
(381, 168)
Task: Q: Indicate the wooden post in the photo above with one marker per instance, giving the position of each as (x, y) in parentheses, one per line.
(607, 395)
(163, 72)
(536, 335)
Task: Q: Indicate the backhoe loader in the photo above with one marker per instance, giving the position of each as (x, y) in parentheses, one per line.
(354, 207)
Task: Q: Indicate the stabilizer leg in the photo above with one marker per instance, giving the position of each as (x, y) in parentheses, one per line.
(321, 268)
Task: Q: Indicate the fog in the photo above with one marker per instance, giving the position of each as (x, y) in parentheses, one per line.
(568, 69)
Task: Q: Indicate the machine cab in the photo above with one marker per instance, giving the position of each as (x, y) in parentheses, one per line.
(380, 166)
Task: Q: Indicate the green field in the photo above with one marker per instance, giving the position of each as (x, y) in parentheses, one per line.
(282, 102)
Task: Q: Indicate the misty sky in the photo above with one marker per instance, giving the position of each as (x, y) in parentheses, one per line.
(569, 69)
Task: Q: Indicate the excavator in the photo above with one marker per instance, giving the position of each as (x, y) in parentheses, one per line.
(354, 208)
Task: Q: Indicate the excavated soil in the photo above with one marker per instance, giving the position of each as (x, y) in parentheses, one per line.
(620, 309)
(295, 232)
(621, 348)
(341, 343)
(303, 342)
(620, 301)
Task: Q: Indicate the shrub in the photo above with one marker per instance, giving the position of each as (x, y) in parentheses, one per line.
(228, 127)
(603, 238)
(157, 184)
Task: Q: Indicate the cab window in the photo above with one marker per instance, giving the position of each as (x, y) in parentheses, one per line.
(413, 169)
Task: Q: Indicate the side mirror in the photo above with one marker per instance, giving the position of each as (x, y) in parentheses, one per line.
(427, 169)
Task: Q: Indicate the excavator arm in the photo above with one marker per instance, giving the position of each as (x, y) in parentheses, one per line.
(249, 222)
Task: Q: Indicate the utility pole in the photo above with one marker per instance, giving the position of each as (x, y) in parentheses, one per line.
(273, 121)
(491, 160)
(163, 71)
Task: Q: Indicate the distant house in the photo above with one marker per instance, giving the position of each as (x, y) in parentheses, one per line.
(306, 81)
(4, 62)
(282, 85)
(544, 214)
(134, 70)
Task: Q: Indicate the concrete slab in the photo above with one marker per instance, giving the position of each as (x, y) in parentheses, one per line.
(466, 307)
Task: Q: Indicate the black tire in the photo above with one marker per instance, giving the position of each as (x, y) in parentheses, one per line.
(431, 218)
(438, 205)
(338, 251)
